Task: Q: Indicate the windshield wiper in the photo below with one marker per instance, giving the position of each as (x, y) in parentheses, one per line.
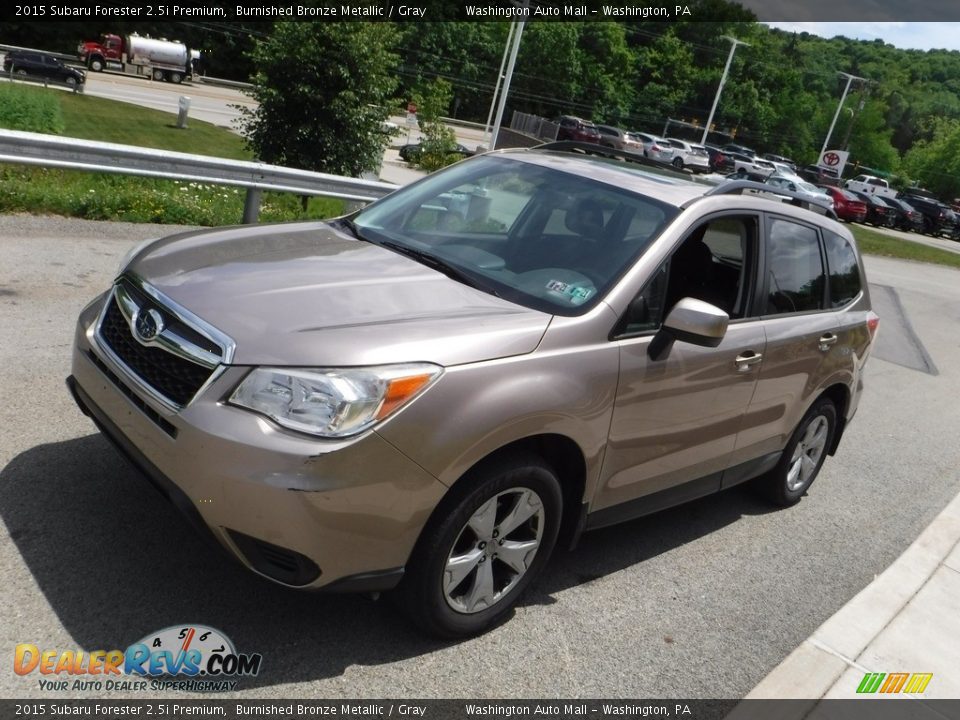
(440, 265)
(352, 227)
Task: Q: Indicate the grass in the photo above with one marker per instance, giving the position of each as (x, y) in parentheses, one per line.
(96, 196)
(875, 243)
(23, 108)
(92, 118)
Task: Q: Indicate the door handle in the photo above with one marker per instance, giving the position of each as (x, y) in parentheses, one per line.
(745, 360)
(826, 341)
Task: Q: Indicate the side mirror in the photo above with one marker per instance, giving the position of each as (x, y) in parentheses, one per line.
(693, 321)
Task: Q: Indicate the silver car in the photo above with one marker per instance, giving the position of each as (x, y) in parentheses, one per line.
(429, 396)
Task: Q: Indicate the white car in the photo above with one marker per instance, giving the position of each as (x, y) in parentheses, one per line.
(870, 185)
(690, 155)
(656, 148)
(745, 165)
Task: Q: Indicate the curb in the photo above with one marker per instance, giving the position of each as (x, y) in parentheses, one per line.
(815, 667)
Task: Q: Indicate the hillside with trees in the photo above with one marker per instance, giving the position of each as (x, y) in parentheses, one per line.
(780, 97)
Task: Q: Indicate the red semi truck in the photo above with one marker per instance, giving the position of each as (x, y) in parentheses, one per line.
(157, 58)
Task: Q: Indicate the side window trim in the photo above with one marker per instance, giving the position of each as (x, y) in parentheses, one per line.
(764, 283)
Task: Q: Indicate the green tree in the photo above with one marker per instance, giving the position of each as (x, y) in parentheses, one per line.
(323, 91)
(935, 163)
(439, 141)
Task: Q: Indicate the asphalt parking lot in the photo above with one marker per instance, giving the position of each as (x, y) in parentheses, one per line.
(698, 601)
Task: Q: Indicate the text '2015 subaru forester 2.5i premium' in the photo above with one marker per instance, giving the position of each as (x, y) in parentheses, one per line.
(425, 395)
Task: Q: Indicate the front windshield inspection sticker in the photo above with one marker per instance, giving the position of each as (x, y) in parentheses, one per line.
(574, 294)
(193, 658)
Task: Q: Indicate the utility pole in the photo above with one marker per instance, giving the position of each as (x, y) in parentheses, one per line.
(850, 78)
(723, 80)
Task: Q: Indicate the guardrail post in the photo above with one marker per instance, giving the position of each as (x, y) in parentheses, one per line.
(251, 206)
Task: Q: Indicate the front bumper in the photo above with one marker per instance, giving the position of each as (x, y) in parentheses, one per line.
(303, 512)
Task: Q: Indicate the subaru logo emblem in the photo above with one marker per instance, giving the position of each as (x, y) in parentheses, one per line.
(147, 325)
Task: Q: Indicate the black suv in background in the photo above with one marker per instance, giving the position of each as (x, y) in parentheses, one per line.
(24, 62)
(938, 218)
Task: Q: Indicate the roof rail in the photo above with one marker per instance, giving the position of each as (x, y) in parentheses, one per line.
(737, 187)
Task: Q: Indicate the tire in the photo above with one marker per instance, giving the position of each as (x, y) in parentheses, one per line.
(792, 477)
(96, 64)
(678, 163)
(20, 71)
(157, 75)
(71, 81)
(455, 586)
(176, 77)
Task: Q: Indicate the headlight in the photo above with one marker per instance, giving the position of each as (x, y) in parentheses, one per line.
(132, 252)
(333, 403)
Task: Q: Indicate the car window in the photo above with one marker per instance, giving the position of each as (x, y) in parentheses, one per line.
(711, 264)
(795, 277)
(844, 271)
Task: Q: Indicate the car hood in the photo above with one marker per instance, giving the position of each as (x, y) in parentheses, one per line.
(305, 294)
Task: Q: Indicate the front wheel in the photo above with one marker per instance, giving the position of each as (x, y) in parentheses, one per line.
(803, 457)
(96, 64)
(71, 81)
(470, 568)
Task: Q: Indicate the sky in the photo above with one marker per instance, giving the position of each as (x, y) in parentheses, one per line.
(907, 35)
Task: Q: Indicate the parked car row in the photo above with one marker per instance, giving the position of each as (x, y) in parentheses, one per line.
(682, 154)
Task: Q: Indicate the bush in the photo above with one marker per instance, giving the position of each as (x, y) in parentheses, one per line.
(30, 109)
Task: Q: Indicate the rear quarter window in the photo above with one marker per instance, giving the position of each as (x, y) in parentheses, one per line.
(843, 269)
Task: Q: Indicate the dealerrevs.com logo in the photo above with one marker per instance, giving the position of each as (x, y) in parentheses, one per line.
(194, 658)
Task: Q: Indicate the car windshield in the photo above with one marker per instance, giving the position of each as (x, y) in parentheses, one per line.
(537, 236)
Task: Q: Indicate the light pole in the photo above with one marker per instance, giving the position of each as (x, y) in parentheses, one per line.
(723, 80)
(506, 81)
(850, 78)
(496, 89)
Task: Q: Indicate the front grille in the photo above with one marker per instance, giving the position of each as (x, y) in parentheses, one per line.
(172, 376)
(158, 419)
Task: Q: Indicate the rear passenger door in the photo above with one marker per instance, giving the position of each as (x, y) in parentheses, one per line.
(801, 333)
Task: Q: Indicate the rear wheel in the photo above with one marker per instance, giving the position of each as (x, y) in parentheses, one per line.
(158, 74)
(470, 568)
(803, 457)
(176, 77)
(678, 163)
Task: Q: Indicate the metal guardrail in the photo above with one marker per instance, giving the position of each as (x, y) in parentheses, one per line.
(26, 148)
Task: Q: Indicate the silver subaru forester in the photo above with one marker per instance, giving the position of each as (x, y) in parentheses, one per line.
(428, 395)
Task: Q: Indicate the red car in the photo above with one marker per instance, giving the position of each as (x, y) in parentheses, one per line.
(574, 128)
(846, 205)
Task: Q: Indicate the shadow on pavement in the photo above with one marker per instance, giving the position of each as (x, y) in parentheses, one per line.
(116, 561)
